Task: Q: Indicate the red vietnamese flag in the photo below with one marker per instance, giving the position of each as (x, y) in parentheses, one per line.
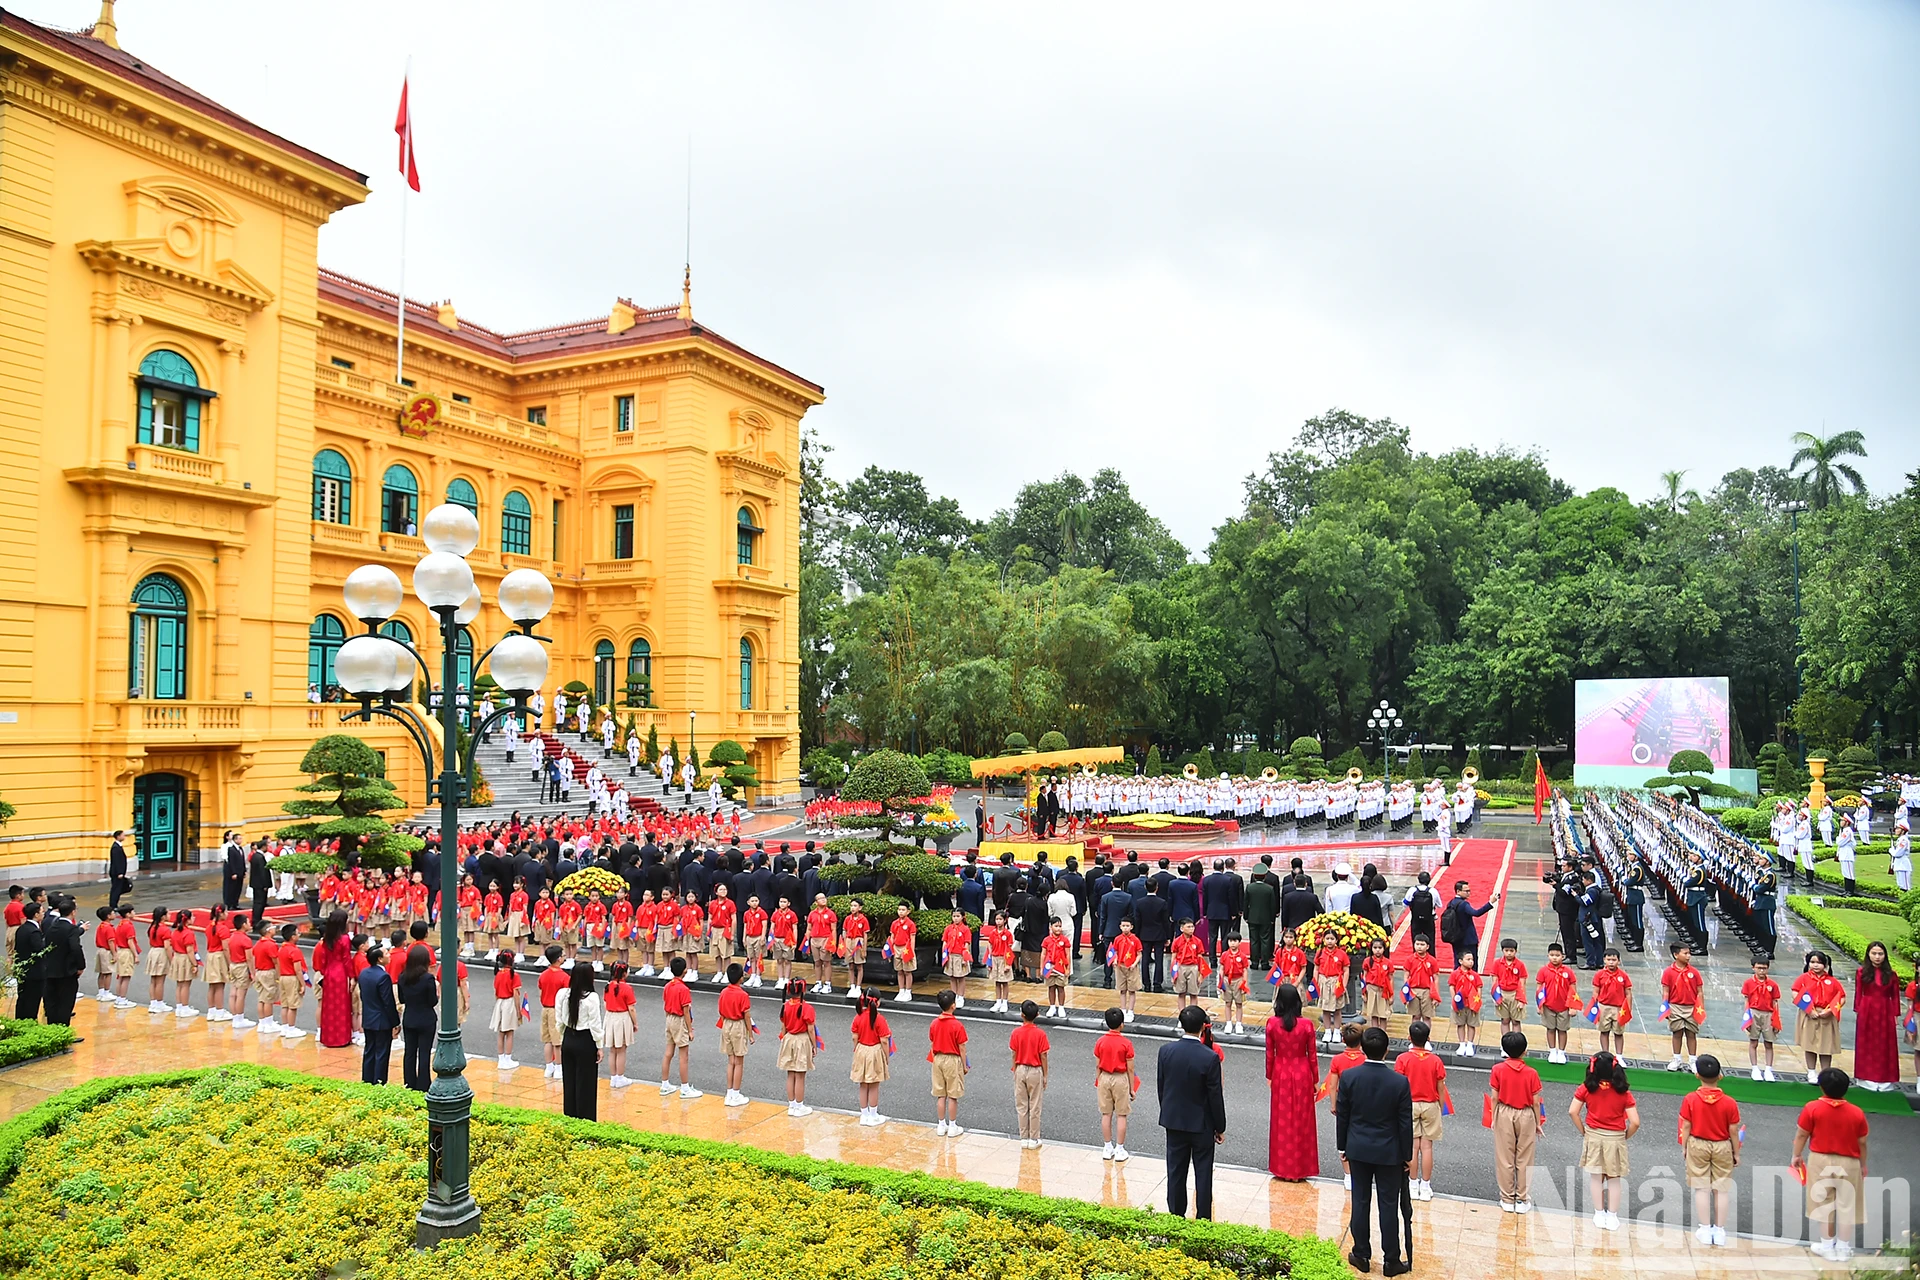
(403, 125)
(1542, 789)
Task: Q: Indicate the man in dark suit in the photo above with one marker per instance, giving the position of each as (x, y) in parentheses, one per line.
(379, 1017)
(1224, 894)
(1153, 921)
(1115, 905)
(1183, 895)
(1373, 1130)
(1076, 884)
(259, 881)
(30, 967)
(65, 961)
(1262, 906)
(233, 872)
(972, 899)
(1193, 1111)
(118, 885)
(1162, 877)
(1297, 904)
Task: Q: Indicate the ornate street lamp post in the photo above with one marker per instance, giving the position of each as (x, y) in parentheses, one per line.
(373, 667)
(1385, 720)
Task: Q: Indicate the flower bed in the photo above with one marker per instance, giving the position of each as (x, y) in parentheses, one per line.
(249, 1171)
(1156, 824)
(23, 1041)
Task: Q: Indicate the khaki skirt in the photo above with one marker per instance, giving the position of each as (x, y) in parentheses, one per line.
(216, 967)
(156, 962)
(1604, 1151)
(516, 924)
(1003, 969)
(1378, 1006)
(506, 1016)
(796, 1052)
(180, 967)
(869, 1064)
(620, 1030)
(663, 940)
(1817, 1035)
(958, 966)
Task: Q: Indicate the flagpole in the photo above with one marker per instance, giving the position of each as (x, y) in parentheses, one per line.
(400, 343)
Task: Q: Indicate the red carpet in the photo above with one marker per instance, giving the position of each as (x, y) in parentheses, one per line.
(1486, 865)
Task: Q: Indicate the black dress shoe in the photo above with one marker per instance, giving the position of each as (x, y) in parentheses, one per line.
(1396, 1269)
(1360, 1264)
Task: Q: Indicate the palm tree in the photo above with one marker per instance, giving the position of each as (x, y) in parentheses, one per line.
(1073, 521)
(1673, 479)
(1822, 479)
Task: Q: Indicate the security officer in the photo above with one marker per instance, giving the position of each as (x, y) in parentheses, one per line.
(1766, 900)
(1633, 904)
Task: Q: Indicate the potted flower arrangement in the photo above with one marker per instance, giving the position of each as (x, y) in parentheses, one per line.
(1354, 934)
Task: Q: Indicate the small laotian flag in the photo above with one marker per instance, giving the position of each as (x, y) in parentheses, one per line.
(752, 1025)
(1666, 1010)
(1446, 1100)
(526, 1010)
(1743, 1134)
(1593, 1012)
(1273, 976)
(1406, 993)
(943, 955)
(1313, 989)
(1111, 958)
(307, 978)
(1173, 971)
(818, 1043)
(886, 950)
(891, 1046)
(1540, 998)
(1804, 1001)
(1746, 1020)
(1459, 999)
(1912, 1025)
(806, 948)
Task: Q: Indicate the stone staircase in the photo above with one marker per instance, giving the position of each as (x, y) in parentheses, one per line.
(515, 788)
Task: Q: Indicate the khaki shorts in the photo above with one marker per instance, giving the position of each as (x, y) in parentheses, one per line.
(949, 1076)
(1466, 1018)
(125, 961)
(1604, 1151)
(1609, 1020)
(239, 976)
(1420, 1007)
(1510, 1008)
(1678, 1021)
(103, 961)
(549, 1025)
(1427, 1121)
(267, 983)
(679, 1030)
(291, 989)
(1556, 1019)
(1709, 1163)
(720, 947)
(1115, 1091)
(782, 953)
(903, 968)
(1126, 978)
(1826, 1174)
(1188, 983)
(736, 1036)
(1762, 1028)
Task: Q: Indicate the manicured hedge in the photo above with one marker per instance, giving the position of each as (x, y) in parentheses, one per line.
(337, 1177)
(23, 1041)
(1829, 919)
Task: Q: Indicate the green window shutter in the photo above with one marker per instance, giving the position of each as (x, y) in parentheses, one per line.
(192, 435)
(169, 658)
(144, 432)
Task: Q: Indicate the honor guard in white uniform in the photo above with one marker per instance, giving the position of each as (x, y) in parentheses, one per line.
(633, 755)
(1901, 856)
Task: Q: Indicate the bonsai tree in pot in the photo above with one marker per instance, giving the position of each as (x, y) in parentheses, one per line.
(1688, 769)
(898, 788)
(353, 779)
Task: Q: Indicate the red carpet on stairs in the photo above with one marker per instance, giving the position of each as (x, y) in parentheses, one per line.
(1486, 865)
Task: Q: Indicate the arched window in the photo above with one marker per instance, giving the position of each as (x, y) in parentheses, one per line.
(399, 501)
(747, 534)
(404, 634)
(602, 673)
(640, 673)
(463, 659)
(324, 639)
(746, 674)
(157, 641)
(332, 488)
(516, 524)
(170, 401)
(461, 494)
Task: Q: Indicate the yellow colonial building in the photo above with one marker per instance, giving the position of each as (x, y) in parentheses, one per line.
(201, 435)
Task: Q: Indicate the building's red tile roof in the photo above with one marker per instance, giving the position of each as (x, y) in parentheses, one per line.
(118, 61)
(651, 325)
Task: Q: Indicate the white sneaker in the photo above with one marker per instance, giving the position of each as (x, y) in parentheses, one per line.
(102, 996)
(568, 964)
(954, 1130)
(667, 1088)
(1676, 1063)
(1125, 1017)
(1768, 1071)
(1813, 1077)
(293, 1033)
(735, 1098)
(646, 971)
(1120, 1154)
(242, 1022)
(1825, 1248)
(905, 997)
(853, 993)
(466, 951)
(121, 1002)
(1506, 1206)
(359, 1038)
(505, 1062)
(217, 1014)
(1842, 1250)
(940, 1130)
(1523, 1206)
(1755, 1074)
(793, 1108)
(1472, 1052)
(1600, 1219)
(545, 963)
(800, 1109)
(1719, 1240)
(158, 1006)
(1703, 1234)
(959, 1002)
(1106, 1152)
(185, 1011)
(688, 1091)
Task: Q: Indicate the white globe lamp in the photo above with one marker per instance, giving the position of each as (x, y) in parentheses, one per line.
(450, 528)
(442, 579)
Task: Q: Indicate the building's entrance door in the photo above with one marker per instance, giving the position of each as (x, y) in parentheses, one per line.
(159, 817)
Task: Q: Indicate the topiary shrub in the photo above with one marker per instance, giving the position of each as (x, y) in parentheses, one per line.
(1155, 767)
(1016, 742)
(825, 769)
(1416, 764)
(1052, 740)
(354, 776)
(1303, 759)
(1351, 758)
(1203, 761)
(736, 774)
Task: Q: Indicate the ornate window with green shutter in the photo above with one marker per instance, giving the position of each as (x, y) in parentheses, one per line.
(332, 488)
(516, 524)
(171, 402)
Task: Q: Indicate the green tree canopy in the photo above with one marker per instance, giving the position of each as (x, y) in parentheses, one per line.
(353, 779)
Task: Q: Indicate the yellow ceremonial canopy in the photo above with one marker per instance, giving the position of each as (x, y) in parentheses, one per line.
(1035, 761)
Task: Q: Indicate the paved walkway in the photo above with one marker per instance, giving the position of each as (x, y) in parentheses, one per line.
(1452, 1237)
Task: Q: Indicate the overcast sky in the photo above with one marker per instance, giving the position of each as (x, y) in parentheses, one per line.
(1011, 240)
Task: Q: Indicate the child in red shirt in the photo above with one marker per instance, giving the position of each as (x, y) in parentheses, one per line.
(292, 964)
(1464, 984)
(507, 1000)
(1422, 989)
(693, 932)
(1819, 996)
(1056, 965)
(183, 962)
(1235, 960)
(467, 911)
(676, 1002)
(646, 933)
(1613, 1001)
(1376, 977)
(1558, 986)
(1115, 1085)
(1680, 985)
(1426, 1074)
(569, 914)
(1030, 1049)
(1509, 974)
(1605, 1115)
(265, 964)
(1350, 1055)
(900, 940)
(553, 980)
(798, 1044)
(1834, 1131)
(1330, 981)
(593, 927)
(956, 956)
(753, 926)
(720, 917)
(947, 1037)
(853, 946)
(159, 933)
(1123, 954)
(823, 926)
(736, 1032)
(1519, 1118)
(783, 936)
(1762, 1018)
(1710, 1136)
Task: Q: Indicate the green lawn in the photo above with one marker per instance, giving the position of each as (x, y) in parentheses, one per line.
(1874, 927)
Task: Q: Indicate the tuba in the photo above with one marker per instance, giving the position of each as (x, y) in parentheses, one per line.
(1470, 776)
(1269, 774)
(1355, 775)
(1191, 772)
